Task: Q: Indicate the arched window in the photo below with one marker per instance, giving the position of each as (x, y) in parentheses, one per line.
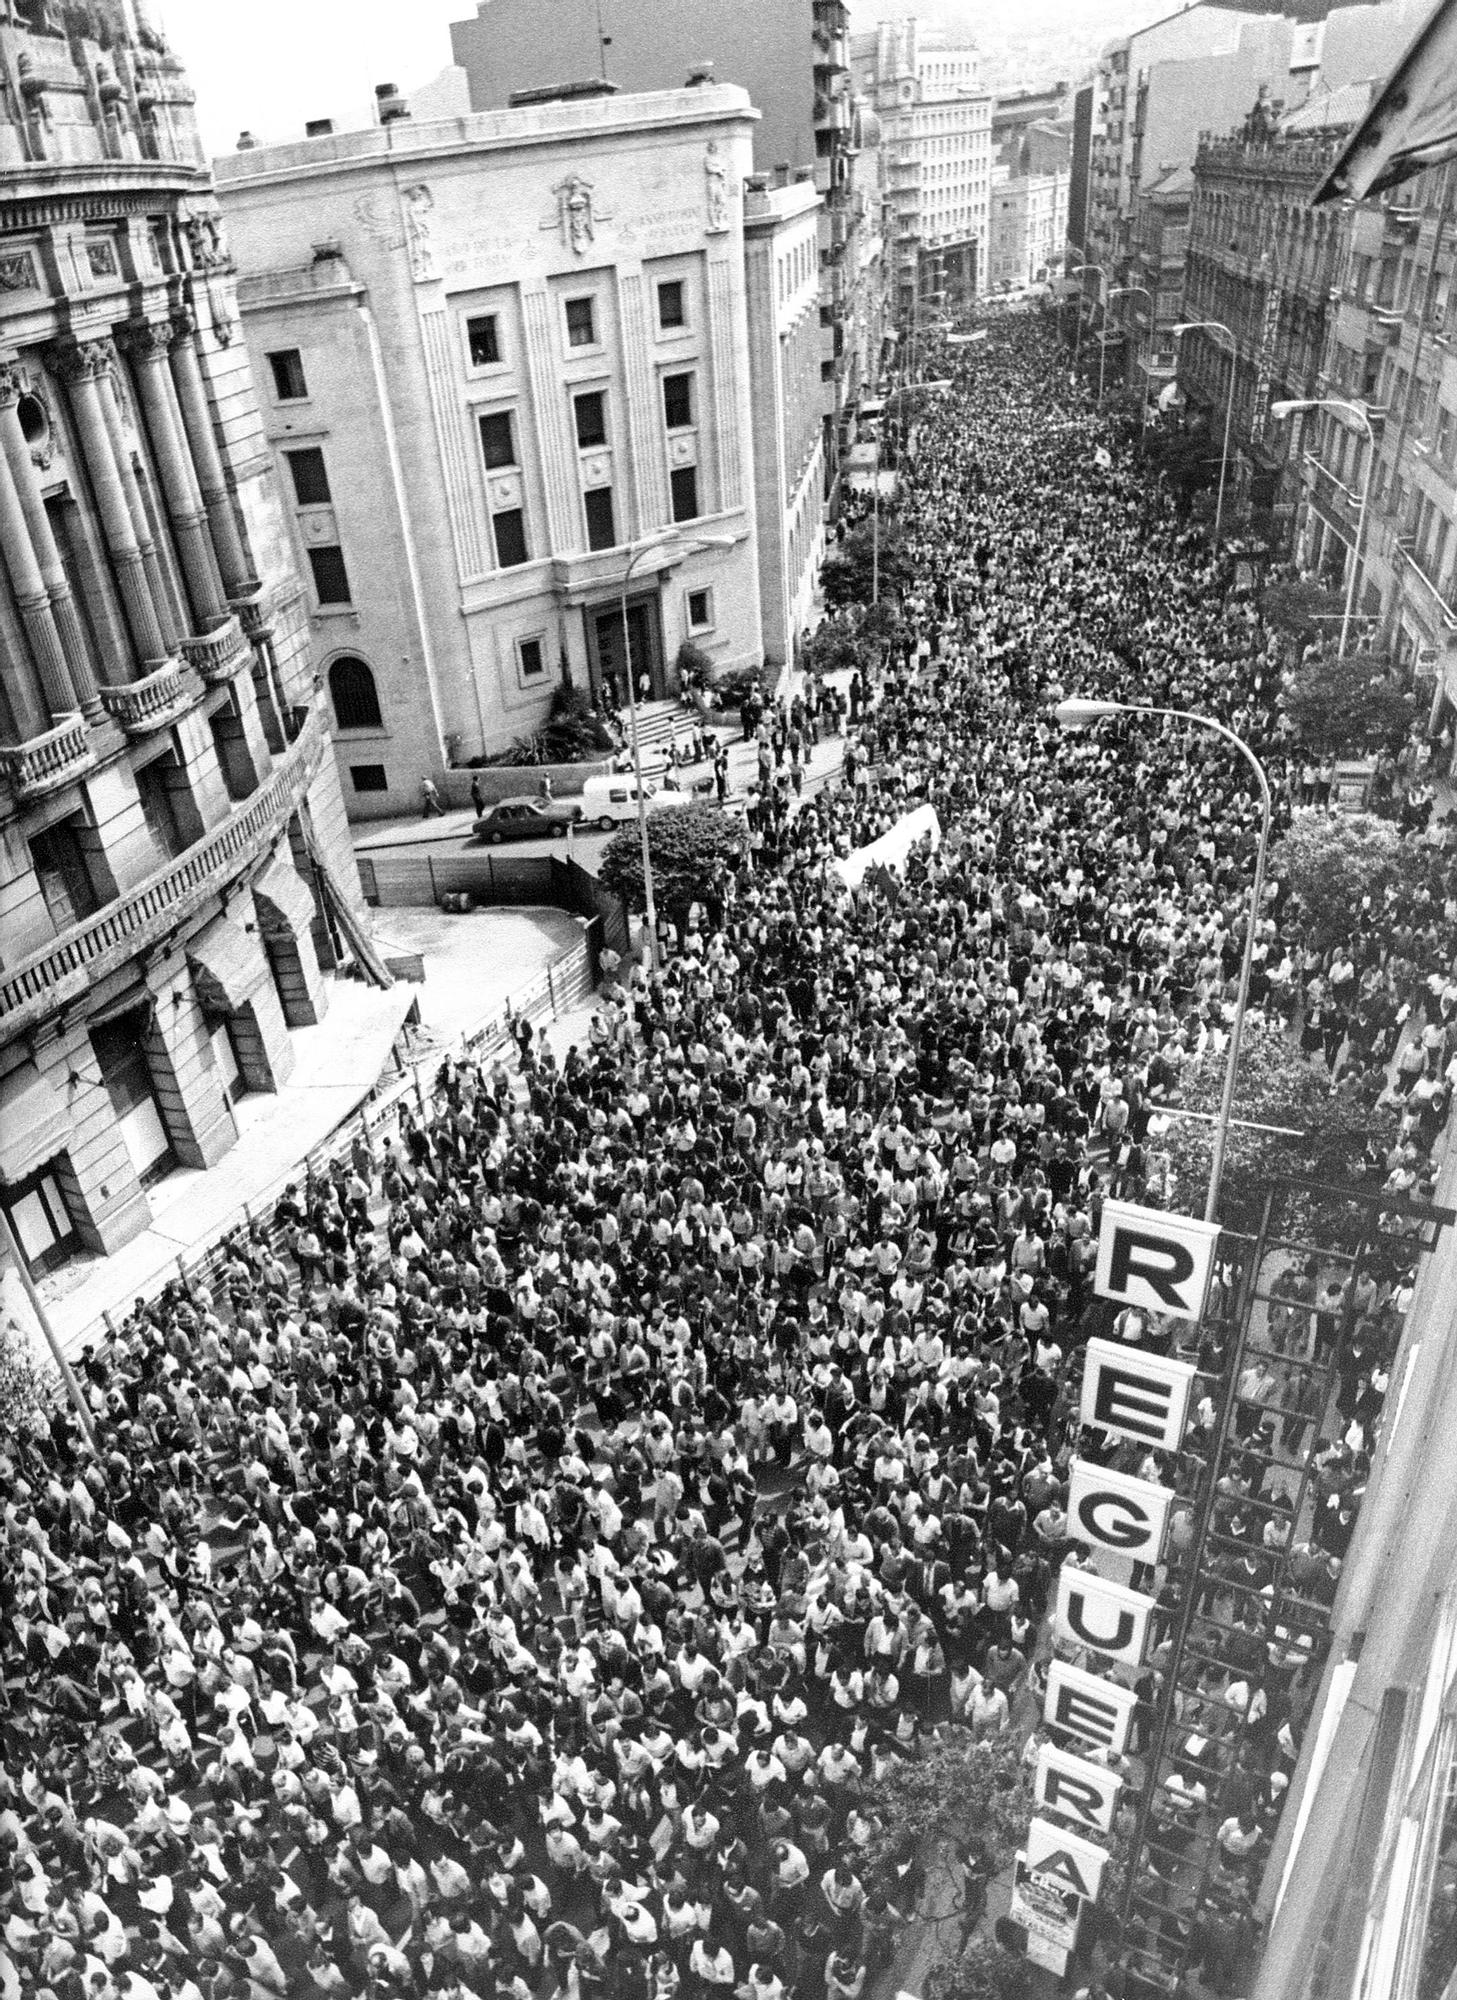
(356, 704)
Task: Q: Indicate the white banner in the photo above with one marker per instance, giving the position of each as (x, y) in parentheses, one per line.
(1098, 1711)
(891, 849)
(1136, 1395)
(1115, 1511)
(1080, 1791)
(1107, 1617)
(1066, 1858)
(1150, 1259)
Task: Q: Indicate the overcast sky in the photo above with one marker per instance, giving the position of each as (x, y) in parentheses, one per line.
(267, 66)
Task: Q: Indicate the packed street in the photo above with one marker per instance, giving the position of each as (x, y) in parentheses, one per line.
(537, 1560)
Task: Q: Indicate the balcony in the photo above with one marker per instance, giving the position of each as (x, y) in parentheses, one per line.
(1406, 546)
(47, 762)
(144, 706)
(217, 655)
(146, 915)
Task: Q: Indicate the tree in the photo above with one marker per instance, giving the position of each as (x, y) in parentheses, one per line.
(691, 848)
(1277, 1086)
(29, 1385)
(851, 565)
(1300, 608)
(972, 1794)
(1331, 862)
(1346, 704)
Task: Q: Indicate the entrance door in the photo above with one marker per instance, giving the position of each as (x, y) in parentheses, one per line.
(123, 1064)
(645, 638)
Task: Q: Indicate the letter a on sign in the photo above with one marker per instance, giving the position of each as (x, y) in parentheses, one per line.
(1072, 1862)
(1082, 1792)
(1111, 1619)
(1136, 1395)
(1157, 1261)
(1112, 1510)
(1098, 1711)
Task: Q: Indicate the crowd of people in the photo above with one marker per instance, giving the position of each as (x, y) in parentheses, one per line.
(522, 1568)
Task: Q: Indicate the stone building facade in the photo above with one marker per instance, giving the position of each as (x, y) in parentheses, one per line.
(506, 370)
(781, 274)
(168, 805)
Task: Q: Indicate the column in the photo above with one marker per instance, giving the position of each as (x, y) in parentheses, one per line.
(227, 541)
(81, 367)
(163, 597)
(33, 600)
(147, 346)
(74, 649)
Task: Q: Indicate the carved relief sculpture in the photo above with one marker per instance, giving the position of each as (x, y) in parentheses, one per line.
(577, 214)
(715, 170)
(419, 202)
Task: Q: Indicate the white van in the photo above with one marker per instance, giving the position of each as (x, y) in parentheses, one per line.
(607, 802)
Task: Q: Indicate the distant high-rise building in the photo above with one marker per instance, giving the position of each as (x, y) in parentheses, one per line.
(175, 853)
(936, 129)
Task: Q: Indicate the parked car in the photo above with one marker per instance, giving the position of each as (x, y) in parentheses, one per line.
(527, 819)
(609, 801)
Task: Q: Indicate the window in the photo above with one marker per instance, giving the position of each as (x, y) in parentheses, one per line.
(581, 323)
(289, 384)
(121, 1057)
(677, 401)
(331, 578)
(355, 697)
(700, 610)
(498, 443)
(65, 881)
(368, 778)
(482, 341)
(510, 532)
(685, 493)
(670, 305)
(310, 477)
(601, 527)
(591, 415)
(41, 1221)
(531, 659)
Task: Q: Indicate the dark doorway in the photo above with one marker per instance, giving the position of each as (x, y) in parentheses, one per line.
(645, 636)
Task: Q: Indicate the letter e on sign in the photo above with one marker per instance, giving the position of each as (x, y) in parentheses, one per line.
(1114, 1511)
(1082, 1792)
(1156, 1261)
(1136, 1395)
(1099, 1711)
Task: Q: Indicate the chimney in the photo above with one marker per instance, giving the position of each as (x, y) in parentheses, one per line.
(318, 128)
(389, 105)
(246, 142)
(699, 74)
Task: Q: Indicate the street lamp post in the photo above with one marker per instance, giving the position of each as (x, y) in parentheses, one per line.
(1284, 410)
(1218, 326)
(1143, 292)
(651, 546)
(1076, 272)
(1081, 713)
(930, 388)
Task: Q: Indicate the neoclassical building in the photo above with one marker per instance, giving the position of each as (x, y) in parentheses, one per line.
(505, 361)
(171, 829)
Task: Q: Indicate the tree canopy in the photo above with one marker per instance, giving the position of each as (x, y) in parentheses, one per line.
(1346, 704)
(1277, 1086)
(850, 564)
(1299, 607)
(1334, 862)
(690, 848)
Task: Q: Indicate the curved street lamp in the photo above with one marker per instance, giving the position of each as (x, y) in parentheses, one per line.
(661, 539)
(1143, 292)
(1218, 326)
(1077, 271)
(1081, 712)
(1363, 417)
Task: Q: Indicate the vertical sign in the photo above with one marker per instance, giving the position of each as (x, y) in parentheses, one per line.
(1085, 1793)
(1152, 1260)
(1113, 1511)
(1107, 1617)
(1100, 1712)
(1136, 1395)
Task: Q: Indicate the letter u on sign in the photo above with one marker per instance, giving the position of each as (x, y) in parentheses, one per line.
(1106, 1616)
(1136, 1395)
(1157, 1261)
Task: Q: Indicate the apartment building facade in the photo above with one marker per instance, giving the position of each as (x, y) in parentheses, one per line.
(171, 821)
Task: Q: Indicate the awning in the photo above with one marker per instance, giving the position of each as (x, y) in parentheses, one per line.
(283, 899)
(34, 1122)
(227, 966)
